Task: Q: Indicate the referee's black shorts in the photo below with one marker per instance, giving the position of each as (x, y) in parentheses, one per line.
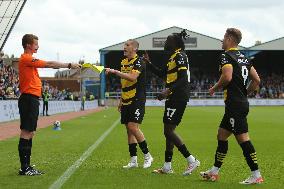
(174, 111)
(133, 112)
(29, 110)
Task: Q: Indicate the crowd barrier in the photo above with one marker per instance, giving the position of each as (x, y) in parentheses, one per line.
(9, 108)
(220, 102)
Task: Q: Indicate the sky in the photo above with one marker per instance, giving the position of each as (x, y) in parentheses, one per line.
(70, 30)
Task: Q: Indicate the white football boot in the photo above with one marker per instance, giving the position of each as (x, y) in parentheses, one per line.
(148, 159)
(132, 163)
(253, 180)
(191, 167)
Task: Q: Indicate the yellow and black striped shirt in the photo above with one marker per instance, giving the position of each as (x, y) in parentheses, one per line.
(177, 64)
(133, 90)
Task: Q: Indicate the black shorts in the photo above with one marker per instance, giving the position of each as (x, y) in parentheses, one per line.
(174, 111)
(235, 118)
(133, 112)
(29, 110)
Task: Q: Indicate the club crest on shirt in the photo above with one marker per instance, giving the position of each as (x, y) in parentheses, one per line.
(180, 61)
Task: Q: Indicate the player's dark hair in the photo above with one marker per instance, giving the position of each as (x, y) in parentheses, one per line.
(179, 39)
(28, 39)
(235, 34)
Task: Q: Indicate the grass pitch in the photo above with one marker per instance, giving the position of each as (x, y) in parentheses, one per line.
(55, 151)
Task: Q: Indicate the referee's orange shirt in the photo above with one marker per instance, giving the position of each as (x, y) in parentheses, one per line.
(30, 82)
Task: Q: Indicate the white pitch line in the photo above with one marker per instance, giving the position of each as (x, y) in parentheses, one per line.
(66, 175)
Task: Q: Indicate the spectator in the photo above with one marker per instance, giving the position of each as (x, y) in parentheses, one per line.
(272, 86)
(9, 82)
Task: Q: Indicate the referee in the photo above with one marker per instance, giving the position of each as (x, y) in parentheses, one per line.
(30, 88)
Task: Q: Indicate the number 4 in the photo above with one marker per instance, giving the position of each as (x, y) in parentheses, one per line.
(137, 113)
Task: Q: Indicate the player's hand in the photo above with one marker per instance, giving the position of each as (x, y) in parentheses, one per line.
(164, 94)
(75, 65)
(146, 57)
(110, 71)
(160, 96)
(211, 91)
(119, 106)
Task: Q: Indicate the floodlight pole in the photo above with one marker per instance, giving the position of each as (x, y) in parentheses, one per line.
(102, 77)
(13, 24)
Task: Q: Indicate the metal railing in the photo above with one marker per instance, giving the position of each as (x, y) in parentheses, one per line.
(152, 95)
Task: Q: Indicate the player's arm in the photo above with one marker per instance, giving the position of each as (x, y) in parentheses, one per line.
(138, 67)
(131, 76)
(119, 105)
(37, 63)
(55, 64)
(182, 79)
(255, 81)
(224, 80)
(157, 71)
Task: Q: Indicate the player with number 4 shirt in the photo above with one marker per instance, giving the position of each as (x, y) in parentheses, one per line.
(132, 103)
(235, 70)
(177, 76)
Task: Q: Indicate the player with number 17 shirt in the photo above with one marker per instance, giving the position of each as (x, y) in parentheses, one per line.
(177, 75)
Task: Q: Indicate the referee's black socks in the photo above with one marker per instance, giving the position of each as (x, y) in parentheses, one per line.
(221, 153)
(250, 155)
(24, 149)
(29, 152)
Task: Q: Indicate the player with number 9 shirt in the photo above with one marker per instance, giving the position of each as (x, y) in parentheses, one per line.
(176, 72)
(235, 70)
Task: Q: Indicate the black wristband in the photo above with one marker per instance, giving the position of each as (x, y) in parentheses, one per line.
(69, 65)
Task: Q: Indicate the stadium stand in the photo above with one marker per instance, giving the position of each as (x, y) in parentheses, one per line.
(272, 85)
(203, 52)
(9, 82)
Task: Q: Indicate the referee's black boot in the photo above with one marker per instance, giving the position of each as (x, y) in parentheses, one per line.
(30, 171)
